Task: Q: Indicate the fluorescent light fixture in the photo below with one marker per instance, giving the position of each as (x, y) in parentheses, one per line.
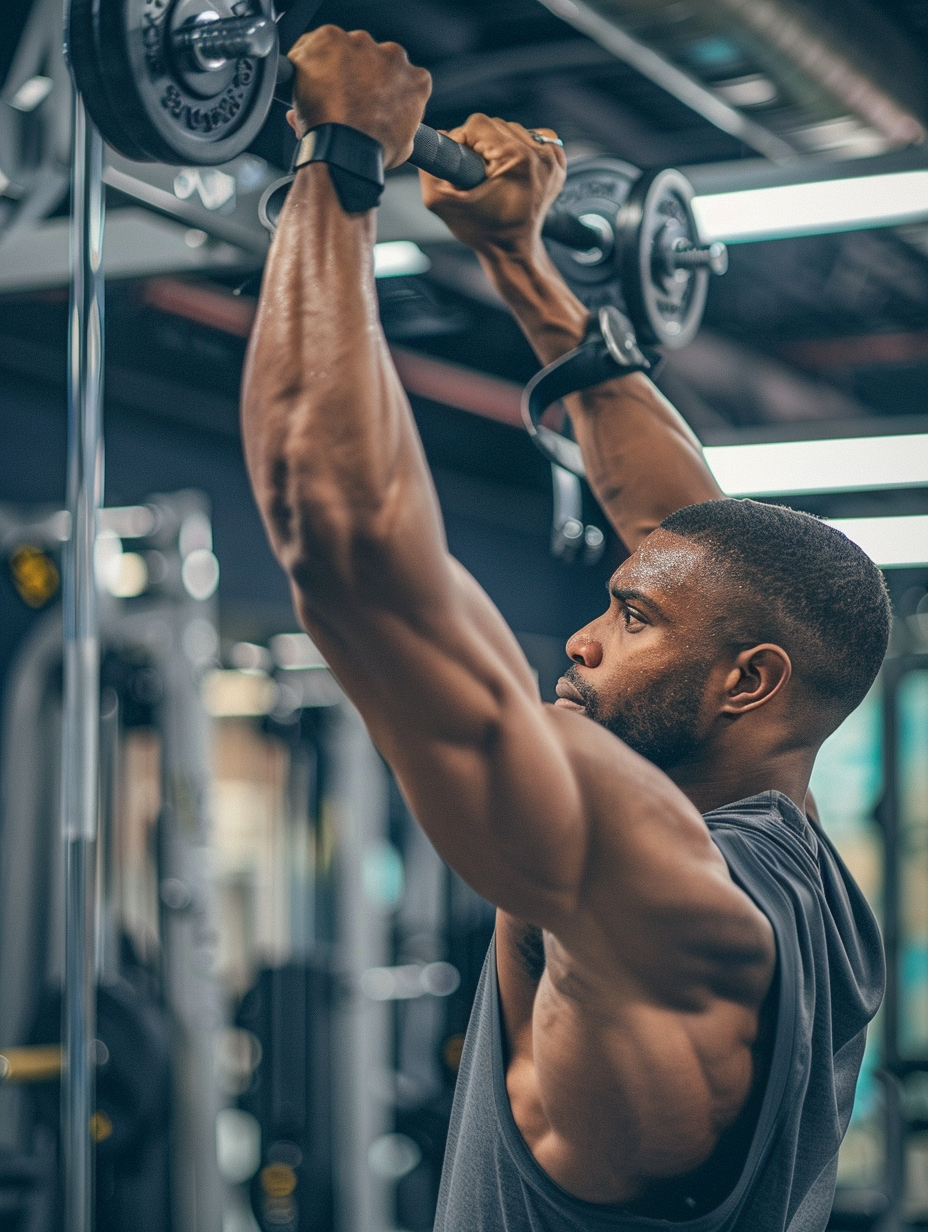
(396, 257)
(889, 542)
(850, 464)
(813, 209)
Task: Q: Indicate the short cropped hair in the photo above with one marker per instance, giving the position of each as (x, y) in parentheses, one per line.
(804, 586)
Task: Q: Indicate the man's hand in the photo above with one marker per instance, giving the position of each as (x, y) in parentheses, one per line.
(641, 459)
(347, 78)
(523, 178)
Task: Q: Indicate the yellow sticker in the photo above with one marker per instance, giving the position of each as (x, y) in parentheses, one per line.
(100, 1126)
(278, 1181)
(34, 575)
(451, 1051)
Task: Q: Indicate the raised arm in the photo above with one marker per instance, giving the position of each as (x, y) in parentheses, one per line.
(642, 460)
(339, 475)
(542, 811)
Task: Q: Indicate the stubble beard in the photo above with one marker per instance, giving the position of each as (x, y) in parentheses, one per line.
(661, 722)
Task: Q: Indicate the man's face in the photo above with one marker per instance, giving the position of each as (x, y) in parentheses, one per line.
(642, 668)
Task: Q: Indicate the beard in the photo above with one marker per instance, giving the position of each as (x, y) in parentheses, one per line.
(661, 722)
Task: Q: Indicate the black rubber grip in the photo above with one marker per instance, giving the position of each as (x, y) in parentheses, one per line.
(447, 159)
(568, 230)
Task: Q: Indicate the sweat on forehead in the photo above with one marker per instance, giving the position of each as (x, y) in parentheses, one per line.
(668, 562)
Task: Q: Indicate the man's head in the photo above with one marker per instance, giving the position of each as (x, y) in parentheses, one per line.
(728, 607)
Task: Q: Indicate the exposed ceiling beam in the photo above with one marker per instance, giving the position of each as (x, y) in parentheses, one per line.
(785, 77)
(674, 80)
(730, 383)
(748, 388)
(865, 351)
(462, 80)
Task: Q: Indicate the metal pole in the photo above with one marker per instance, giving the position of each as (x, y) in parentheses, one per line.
(80, 753)
(889, 821)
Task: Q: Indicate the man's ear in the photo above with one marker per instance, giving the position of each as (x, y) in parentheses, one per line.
(756, 676)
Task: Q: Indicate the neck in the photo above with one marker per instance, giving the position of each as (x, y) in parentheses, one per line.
(711, 784)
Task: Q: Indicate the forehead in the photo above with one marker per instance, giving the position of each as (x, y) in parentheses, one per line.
(666, 565)
(666, 561)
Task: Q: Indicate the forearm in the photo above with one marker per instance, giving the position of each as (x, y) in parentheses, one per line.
(641, 458)
(331, 448)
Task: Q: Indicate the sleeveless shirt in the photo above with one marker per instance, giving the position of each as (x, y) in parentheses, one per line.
(828, 980)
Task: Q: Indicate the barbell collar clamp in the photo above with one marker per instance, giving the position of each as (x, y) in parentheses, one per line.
(207, 45)
(713, 257)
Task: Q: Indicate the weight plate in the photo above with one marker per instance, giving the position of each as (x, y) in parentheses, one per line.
(665, 303)
(83, 53)
(156, 105)
(598, 187)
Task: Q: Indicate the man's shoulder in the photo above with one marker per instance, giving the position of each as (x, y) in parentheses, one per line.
(774, 828)
(767, 808)
(792, 871)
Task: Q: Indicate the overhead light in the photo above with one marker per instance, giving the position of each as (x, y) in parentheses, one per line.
(755, 90)
(31, 93)
(889, 542)
(295, 652)
(851, 464)
(394, 258)
(232, 694)
(813, 208)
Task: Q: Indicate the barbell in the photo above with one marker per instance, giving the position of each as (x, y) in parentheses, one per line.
(192, 81)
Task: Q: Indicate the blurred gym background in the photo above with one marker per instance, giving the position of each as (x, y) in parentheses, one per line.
(285, 966)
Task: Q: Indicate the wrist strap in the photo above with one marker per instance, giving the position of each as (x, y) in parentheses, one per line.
(354, 159)
(609, 349)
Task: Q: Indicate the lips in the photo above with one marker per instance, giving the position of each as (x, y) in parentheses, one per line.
(567, 696)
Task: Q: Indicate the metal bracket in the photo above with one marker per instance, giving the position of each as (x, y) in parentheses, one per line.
(571, 540)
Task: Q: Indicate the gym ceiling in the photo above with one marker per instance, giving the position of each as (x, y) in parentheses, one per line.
(819, 335)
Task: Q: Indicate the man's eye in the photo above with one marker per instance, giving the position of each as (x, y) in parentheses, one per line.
(630, 616)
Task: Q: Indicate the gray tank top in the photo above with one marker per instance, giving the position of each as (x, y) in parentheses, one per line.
(829, 983)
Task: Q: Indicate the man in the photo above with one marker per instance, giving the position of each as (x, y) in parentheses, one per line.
(671, 1018)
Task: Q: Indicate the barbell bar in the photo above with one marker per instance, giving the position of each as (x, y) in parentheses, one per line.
(192, 81)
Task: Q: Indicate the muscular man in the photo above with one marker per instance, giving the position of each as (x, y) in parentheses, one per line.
(671, 1018)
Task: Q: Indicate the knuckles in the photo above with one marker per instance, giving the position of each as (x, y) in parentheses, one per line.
(325, 50)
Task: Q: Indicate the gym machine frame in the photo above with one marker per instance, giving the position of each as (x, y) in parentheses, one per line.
(81, 719)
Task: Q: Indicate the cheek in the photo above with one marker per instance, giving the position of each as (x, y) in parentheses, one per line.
(632, 660)
(638, 663)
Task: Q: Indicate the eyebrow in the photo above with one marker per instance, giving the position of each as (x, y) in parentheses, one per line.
(624, 594)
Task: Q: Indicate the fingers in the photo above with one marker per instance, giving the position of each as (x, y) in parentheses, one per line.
(494, 137)
(551, 149)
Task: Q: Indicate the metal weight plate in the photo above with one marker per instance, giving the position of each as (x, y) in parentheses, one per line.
(595, 188)
(86, 61)
(149, 105)
(665, 302)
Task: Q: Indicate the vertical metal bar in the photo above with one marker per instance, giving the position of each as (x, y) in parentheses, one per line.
(362, 1028)
(888, 817)
(80, 753)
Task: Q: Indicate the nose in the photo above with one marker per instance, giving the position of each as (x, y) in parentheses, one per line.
(585, 648)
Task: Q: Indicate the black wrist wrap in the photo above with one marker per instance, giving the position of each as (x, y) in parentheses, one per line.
(354, 160)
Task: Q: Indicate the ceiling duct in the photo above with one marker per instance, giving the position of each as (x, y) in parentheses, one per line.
(786, 77)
